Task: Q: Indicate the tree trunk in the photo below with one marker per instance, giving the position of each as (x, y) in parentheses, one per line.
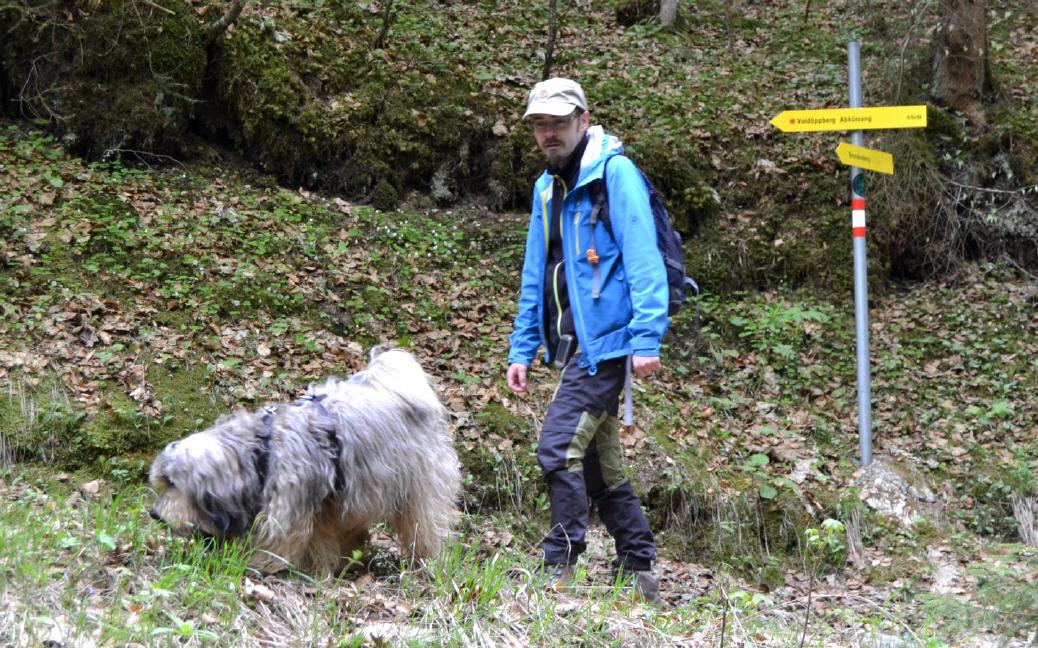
(219, 26)
(961, 67)
(549, 51)
(668, 12)
(388, 17)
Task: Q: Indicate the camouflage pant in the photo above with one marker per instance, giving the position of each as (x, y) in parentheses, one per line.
(580, 457)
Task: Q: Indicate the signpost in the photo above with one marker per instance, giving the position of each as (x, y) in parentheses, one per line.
(855, 119)
(845, 119)
(865, 158)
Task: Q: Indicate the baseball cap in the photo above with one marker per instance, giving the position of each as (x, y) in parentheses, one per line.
(557, 97)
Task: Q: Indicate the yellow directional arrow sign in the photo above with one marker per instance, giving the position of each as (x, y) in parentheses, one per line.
(850, 119)
(865, 158)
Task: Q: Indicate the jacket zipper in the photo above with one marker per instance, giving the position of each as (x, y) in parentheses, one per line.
(558, 302)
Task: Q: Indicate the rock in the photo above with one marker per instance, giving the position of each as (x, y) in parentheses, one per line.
(92, 488)
(897, 490)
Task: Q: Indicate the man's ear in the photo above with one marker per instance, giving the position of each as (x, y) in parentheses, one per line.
(585, 120)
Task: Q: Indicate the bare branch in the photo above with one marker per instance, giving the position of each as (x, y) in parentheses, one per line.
(219, 26)
(154, 5)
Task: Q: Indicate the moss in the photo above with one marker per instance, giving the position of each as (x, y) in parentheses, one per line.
(941, 125)
(38, 423)
(630, 12)
(125, 77)
(384, 196)
(786, 233)
(1015, 134)
(328, 113)
(495, 418)
(684, 186)
(717, 518)
(42, 424)
(185, 391)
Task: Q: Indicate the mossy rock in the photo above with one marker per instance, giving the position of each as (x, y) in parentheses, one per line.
(701, 521)
(777, 231)
(331, 113)
(125, 77)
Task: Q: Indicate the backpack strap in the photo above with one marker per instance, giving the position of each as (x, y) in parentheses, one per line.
(599, 207)
(600, 200)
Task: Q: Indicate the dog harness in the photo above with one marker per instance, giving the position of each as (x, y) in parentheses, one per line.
(263, 452)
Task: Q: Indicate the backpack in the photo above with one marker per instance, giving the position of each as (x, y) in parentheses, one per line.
(680, 286)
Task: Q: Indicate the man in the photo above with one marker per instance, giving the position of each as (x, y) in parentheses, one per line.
(604, 294)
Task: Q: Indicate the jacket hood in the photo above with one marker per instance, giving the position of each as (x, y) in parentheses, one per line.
(600, 147)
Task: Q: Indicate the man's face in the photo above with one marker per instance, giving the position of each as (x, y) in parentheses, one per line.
(558, 136)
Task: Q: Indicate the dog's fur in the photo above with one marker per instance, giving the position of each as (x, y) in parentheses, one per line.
(373, 449)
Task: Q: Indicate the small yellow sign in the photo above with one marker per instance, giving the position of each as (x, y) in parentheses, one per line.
(850, 119)
(865, 158)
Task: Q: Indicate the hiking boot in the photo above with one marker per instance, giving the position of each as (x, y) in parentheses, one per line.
(645, 587)
(560, 577)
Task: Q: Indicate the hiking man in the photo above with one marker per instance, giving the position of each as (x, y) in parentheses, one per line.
(597, 301)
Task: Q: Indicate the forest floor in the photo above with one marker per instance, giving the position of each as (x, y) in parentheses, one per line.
(140, 304)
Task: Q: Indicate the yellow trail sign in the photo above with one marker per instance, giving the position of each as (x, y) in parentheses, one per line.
(865, 158)
(850, 119)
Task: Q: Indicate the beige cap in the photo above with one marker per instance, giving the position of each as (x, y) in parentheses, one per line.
(557, 97)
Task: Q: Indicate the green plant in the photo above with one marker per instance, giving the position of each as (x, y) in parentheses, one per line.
(778, 330)
(826, 545)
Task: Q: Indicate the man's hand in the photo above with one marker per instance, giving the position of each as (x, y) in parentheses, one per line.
(517, 378)
(644, 366)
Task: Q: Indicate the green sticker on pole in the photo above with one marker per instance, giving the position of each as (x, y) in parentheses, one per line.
(858, 184)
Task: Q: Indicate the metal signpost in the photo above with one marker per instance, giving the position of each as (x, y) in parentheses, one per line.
(855, 119)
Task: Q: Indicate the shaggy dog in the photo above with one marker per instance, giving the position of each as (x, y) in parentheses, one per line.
(305, 481)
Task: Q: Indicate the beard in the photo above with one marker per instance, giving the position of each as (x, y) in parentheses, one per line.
(557, 158)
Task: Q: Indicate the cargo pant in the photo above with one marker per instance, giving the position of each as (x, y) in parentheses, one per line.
(580, 457)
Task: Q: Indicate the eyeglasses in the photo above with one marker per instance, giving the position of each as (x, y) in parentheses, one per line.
(554, 125)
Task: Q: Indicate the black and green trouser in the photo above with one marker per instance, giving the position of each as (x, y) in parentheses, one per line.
(580, 457)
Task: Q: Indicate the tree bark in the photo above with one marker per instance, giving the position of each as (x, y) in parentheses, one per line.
(668, 12)
(961, 64)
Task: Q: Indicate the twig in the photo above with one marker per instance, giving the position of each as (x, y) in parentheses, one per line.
(724, 618)
(153, 5)
(1022, 190)
(140, 155)
(735, 617)
(807, 614)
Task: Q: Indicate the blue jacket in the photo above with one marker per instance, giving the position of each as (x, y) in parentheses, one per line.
(629, 315)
